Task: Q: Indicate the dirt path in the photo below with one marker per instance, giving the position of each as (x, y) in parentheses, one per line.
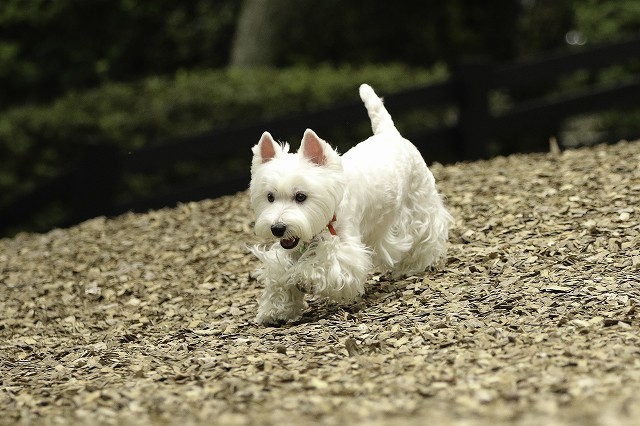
(148, 318)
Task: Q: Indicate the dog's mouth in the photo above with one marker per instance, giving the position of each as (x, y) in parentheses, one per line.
(289, 243)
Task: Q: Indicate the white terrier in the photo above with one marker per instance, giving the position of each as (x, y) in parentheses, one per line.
(337, 218)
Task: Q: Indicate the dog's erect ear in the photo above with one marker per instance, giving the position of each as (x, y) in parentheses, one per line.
(266, 148)
(312, 148)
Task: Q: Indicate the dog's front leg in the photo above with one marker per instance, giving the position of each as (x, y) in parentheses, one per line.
(281, 300)
(279, 303)
(336, 268)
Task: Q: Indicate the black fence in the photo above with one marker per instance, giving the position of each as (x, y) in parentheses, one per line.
(90, 188)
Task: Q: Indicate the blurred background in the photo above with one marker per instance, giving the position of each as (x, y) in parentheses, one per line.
(116, 105)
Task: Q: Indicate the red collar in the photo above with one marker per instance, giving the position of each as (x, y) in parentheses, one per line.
(330, 226)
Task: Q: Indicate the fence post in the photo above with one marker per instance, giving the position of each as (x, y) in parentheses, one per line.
(96, 180)
(474, 127)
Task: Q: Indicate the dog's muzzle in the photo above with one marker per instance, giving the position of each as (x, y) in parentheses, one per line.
(279, 230)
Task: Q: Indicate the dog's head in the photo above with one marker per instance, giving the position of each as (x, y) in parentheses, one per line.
(294, 196)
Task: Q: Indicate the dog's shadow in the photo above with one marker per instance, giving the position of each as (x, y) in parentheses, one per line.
(379, 289)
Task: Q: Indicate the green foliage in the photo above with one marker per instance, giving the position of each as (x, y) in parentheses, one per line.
(602, 20)
(543, 25)
(418, 33)
(48, 47)
(37, 141)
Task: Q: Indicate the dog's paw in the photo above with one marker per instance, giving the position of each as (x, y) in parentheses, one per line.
(276, 317)
(270, 322)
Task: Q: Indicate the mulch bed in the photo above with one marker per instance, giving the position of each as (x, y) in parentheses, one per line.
(148, 318)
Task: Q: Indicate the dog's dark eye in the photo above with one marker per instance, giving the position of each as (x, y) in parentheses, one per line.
(300, 197)
(270, 197)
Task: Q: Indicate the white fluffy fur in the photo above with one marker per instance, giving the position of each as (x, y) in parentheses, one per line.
(389, 215)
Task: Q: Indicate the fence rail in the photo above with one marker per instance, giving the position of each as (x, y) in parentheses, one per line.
(89, 188)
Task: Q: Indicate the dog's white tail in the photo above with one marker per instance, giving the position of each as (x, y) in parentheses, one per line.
(380, 118)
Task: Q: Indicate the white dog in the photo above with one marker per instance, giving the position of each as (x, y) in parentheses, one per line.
(338, 218)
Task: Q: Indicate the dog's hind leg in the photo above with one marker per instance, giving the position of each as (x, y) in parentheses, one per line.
(428, 226)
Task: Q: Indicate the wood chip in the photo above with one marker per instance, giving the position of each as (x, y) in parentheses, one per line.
(149, 318)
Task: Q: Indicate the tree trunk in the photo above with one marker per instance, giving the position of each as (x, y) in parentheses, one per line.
(255, 40)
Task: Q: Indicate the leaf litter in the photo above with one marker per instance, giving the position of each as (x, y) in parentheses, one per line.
(148, 318)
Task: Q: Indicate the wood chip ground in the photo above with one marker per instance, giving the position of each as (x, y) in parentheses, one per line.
(148, 318)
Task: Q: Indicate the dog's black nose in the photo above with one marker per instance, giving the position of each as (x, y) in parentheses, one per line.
(278, 229)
